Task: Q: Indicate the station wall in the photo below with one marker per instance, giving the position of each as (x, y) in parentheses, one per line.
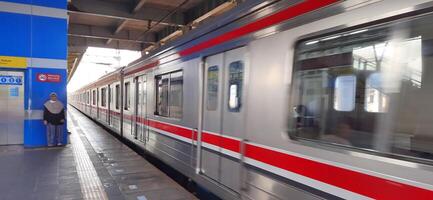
(33, 40)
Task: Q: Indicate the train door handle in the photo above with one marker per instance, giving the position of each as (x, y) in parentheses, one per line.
(194, 132)
(243, 174)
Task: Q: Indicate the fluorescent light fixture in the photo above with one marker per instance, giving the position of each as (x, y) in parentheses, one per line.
(331, 38)
(312, 42)
(358, 31)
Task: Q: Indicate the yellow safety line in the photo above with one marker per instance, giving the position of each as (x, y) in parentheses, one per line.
(91, 186)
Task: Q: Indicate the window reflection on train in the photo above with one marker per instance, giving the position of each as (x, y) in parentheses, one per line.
(212, 88)
(127, 100)
(169, 95)
(370, 88)
(236, 73)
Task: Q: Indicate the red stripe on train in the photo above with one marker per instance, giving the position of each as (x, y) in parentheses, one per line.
(171, 129)
(364, 184)
(289, 13)
(223, 142)
(147, 66)
(367, 185)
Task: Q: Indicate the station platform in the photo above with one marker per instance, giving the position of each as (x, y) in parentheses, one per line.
(95, 165)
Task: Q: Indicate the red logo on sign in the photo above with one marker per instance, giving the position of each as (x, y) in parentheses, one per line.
(51, 78)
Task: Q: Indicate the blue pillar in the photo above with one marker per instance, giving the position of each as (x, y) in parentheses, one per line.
(33, 39)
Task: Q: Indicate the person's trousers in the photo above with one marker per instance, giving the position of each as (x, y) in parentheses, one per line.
(54, 134)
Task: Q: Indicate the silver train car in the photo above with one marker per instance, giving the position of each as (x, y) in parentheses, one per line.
(299, 99)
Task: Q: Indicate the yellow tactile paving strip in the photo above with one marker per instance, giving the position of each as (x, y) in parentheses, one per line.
(123, 174)
(91, 186)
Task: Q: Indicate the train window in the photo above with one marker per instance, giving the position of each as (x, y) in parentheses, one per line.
(127, 95)
(169, 94)
(176, 94)
(236, 73)
(370, 88)
(138, 96)
(144, 93)
(376, 100)
(344, 93)
(212, 88)
(103, 97)
(162, 82)
(117, 97)
(88, 97)
(94, 97)
(110, 95)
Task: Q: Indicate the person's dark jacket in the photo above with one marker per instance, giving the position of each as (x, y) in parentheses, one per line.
(54, 119)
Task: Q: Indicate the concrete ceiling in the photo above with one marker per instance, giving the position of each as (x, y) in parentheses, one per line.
(141, 25)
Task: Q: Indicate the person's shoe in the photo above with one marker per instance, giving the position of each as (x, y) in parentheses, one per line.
(59, 144)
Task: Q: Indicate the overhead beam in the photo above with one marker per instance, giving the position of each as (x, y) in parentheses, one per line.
(171, 36)
(124, 18)
(214, 12)
(123, 11)
(74, 66)
(139, 5)
(107, 38)
(98, 32)
(118, 29)
(78, 43)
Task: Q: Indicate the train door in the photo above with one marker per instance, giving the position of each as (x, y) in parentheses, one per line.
(11, 107)
(93, 105)
(140, 108)
(128, 110)
(88, 103)
(136, 121)
(98, 104)
(109, 105)
(223, 116)
(115, 114)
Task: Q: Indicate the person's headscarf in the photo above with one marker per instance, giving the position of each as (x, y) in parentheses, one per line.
(54, 107)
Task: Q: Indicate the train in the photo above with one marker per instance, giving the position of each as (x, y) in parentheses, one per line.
(286, 99)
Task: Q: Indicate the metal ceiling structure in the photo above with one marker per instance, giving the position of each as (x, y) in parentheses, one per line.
(141, 25)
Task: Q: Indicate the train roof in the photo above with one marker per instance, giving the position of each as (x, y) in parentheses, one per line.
(197, 34)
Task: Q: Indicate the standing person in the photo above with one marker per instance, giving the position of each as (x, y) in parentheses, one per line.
(54, 118)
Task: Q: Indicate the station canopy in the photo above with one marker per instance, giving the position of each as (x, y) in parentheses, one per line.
(137, 25)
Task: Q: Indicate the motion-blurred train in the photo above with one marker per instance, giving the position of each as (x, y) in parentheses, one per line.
(299, 99)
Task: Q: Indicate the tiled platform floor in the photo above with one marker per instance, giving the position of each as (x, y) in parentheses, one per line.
(94, 166)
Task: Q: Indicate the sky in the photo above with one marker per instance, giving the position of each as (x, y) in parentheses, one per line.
(97, 62)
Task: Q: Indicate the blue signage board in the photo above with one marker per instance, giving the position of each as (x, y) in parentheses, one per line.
(11, 80)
